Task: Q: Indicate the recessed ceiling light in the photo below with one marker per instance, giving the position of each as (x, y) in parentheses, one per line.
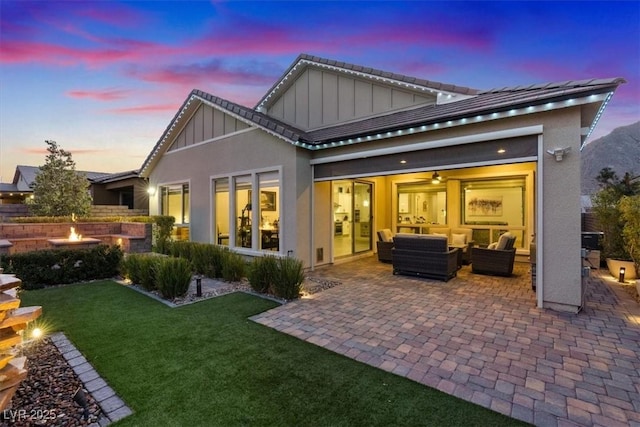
(403, 161)
(502, 150)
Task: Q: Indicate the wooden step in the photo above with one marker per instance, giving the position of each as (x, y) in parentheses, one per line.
(21, 316)
(13, 373)
(9, 339)
(10, 378)
(5, 358)
(6, 395)
(9, 281)
(8, 302)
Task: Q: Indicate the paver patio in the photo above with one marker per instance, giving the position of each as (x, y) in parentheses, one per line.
(482, 339)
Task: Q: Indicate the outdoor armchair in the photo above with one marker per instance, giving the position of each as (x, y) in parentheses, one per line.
(495, 260)
(384, 245)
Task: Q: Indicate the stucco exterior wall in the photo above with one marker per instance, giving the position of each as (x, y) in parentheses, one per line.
(561, 264)
(240, 152)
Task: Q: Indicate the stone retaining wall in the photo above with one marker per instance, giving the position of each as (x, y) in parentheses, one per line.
(131, 236)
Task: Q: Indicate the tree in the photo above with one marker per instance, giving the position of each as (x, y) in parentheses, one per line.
(607, 209)
(58, 189)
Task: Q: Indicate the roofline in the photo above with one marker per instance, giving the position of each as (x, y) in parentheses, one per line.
(246, 115)
(400, 80)
(521, 107)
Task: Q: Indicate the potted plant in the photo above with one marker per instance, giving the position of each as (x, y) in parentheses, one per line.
(608, 212)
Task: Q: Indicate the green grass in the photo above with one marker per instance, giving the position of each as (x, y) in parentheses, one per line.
(206, 364)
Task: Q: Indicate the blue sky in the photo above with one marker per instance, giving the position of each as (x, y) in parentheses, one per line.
(105, 78)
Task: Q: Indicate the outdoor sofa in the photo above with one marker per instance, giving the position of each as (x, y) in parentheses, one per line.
(424, 255)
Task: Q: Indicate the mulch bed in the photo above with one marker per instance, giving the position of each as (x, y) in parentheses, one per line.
(45, 397)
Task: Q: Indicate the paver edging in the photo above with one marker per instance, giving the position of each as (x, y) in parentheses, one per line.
(113, 408)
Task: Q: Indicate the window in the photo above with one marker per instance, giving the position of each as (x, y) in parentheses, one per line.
(174, 201)
(422, 203)
(243, 211)
(240, 213)
(269, 211)
(222, 229)
(492, 207)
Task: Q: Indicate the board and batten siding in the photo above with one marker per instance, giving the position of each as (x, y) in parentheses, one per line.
(206, 123)
(321, 98)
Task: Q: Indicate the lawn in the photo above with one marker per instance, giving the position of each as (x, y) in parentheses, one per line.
(206, 364)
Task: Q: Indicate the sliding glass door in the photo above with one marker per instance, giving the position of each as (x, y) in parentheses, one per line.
(352, 215)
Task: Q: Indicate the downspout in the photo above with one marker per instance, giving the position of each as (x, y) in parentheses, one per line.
(312, 205)
(539, 224)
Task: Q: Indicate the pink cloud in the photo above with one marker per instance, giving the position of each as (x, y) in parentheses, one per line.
(191, 75)
(145, 109)
(121, 50)
(114, 14)
(99, 95)
(31, 150)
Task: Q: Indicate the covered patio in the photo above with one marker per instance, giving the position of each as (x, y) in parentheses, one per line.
(483, 339)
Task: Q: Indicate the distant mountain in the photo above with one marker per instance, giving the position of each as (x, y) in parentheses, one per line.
(620, 150)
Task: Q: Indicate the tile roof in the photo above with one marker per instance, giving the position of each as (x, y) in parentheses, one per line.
(486, 102)
(475, 103)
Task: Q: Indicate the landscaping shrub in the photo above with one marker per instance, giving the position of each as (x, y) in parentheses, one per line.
(162, 227)
(206, 259)
(38, 269)
(140, 269)
(630, 213)
(263, 273)
(180, 249)
(173, 276)
(290, 277)
(233, 267)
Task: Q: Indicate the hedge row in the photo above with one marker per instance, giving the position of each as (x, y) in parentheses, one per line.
(38, 269)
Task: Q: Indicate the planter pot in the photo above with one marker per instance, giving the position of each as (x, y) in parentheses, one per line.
(614, 268)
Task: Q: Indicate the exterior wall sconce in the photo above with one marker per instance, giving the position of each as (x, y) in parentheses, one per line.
(559, 153)
(621, 275)
(151, 191)
(435, 178)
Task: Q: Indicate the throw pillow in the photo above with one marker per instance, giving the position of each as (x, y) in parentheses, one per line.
(458, 239)
(492, 245)
(504, 239)
(387, 235)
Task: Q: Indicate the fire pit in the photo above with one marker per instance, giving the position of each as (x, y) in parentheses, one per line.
(74, 240)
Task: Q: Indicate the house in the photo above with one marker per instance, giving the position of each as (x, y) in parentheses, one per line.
(120, 189)
(335, 151)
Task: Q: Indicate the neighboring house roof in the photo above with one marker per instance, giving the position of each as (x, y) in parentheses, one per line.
(8, 188)
(25, 176)
(470, 107)
(114, 177)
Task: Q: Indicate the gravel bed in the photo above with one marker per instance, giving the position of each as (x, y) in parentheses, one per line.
(45, 397)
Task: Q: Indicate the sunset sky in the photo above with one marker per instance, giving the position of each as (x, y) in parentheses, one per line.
(104, 78)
